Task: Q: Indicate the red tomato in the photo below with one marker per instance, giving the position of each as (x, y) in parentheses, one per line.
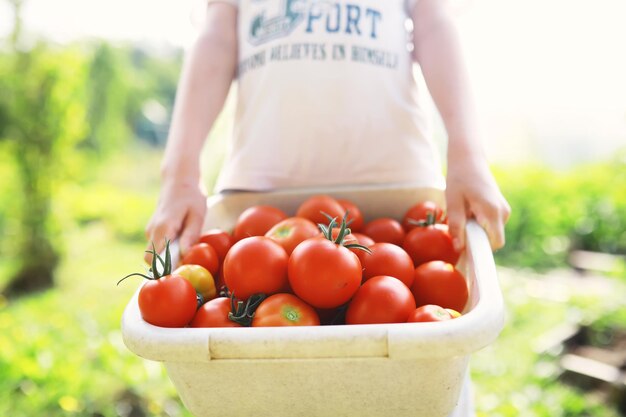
(169, 301)
(362, 240)
(388, 259)
(255, 265)
(256, 221)
(166, 299)
(430, 243)
(292, 231)
(419, 212)
(314, 207)
(204, 255)
(323, 273)
(440, 283)
(284, 310)
(429, 312)
(381, 299)
(214, 313)
(355, 217)
(385, 230)
(219, 240)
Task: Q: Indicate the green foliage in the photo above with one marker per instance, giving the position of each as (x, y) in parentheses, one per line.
(122, 204)
(555, 212)
(61, 353)
(107, 92)
(514, 376)
(44, 115)
(63, 112)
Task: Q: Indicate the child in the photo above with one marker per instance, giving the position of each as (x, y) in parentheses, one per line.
(326, 96)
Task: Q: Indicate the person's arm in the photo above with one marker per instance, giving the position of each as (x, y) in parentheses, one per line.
(471, 190)
(207, 74)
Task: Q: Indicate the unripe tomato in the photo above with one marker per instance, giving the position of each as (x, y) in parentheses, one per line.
(200, 278)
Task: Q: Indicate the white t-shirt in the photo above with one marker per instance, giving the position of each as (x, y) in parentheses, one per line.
(327, 96)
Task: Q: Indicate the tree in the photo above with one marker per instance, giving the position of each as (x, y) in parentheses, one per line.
(43, 118)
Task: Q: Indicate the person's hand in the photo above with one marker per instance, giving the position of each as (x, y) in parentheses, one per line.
(179, 214)
(472, 192)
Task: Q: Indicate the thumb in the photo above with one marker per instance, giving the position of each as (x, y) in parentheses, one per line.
(191, 231)
(456, 220)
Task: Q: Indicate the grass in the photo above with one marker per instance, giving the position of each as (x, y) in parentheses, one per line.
(61, 351)
(513, 376)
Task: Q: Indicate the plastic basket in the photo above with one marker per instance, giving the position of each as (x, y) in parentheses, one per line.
(404, 369)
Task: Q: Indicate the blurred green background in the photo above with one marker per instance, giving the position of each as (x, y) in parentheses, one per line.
(82, 129)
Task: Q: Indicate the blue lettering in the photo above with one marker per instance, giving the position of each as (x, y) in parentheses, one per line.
(353, 18)
(313, 17)
(375, 14)
(337, 21)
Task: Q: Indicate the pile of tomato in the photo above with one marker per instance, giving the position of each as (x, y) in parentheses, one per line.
(322, 265)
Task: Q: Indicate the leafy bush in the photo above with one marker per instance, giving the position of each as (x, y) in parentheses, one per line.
(63, 112)
(43, 120)
(554, 212)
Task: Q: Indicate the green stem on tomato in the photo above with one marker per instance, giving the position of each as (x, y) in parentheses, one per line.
(153, 272)
(244, 313)
(327, 231)
(430, 220)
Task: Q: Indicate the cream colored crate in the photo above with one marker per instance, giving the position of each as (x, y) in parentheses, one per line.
(404, 369)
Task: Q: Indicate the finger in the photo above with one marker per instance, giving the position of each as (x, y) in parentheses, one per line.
(191, 231)
(506, 211)
(456, 220)
(147, 256)
(498, 240)
(158, 235)
(495, 233)
(149, 233)
(491, 220)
